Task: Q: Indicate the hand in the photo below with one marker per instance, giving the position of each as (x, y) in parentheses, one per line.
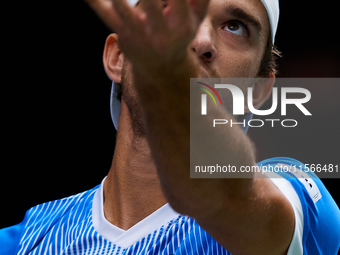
(156, 33)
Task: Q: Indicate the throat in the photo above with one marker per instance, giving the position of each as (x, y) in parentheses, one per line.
(132, 189)
(127, 204)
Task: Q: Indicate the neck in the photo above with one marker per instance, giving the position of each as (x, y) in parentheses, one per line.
(132, 189)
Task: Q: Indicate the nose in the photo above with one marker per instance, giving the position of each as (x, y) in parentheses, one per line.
(203, 43)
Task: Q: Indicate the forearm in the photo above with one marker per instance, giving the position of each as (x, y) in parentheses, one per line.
(165, 101)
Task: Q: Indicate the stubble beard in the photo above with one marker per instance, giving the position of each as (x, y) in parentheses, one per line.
(129, 95)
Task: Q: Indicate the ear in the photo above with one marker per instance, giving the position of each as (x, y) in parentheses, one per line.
(261, 91)
(113, 59)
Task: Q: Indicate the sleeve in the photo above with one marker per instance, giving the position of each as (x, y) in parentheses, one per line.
(10, 238)
(287, 189)
(37, 222)
(321, 215)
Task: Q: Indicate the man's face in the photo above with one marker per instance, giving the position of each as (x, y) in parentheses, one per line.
(230, 42)
(232, 39)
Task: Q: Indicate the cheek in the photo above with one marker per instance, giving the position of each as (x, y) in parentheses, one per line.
(233, 65)
(236, 61)
(127, 79)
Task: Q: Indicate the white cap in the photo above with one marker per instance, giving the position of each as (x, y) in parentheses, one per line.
(273, 10)
(132, 2)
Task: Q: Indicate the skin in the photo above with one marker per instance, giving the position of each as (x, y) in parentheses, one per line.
(158, 47)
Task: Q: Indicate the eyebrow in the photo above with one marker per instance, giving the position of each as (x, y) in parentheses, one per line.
(241, 14)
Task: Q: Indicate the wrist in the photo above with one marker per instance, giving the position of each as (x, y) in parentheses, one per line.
(178, 68)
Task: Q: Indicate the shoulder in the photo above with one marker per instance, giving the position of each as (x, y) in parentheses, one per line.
(40, 219)
(315, 202)
(50, 212)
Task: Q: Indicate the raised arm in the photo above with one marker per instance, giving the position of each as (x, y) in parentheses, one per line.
(246, 216)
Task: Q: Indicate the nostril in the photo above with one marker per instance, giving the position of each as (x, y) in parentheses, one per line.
(208, 54)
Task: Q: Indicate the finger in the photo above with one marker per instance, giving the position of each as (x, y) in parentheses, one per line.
(200, 8)
(104, 9)
(124, 11)
(180, 8)
(154, 12)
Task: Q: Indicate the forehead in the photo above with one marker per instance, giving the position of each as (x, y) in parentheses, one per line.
(252, 8)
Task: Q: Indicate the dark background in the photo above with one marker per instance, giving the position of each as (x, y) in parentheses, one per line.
(57, 134)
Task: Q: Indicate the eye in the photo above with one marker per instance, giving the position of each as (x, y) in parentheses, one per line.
(236, 28)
